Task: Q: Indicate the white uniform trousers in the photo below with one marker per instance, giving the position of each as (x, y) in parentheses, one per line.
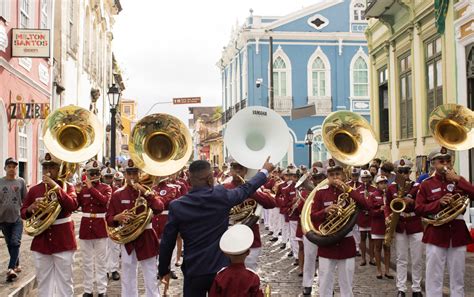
(309, 267)
(285, 230)
(293, 241)
(436, 259)
(345, 272)
(356, 234)
(113, 256)
(266, 218)
(403, 242)
(93, 258)
(275, 222)
(54, 274)
(129, 275)
(252, 258)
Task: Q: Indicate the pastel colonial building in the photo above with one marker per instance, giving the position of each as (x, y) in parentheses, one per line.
(319, 57)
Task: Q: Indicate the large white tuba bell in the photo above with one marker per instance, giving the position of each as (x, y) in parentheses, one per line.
(255, 133)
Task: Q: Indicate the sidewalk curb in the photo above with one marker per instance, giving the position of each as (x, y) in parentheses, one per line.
(25, 288)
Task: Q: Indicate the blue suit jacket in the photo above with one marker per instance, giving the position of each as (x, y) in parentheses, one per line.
(201, 217)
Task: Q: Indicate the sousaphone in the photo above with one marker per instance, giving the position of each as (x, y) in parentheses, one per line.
(160, 145)
(253, 134)
(73, 135)
(350, 140)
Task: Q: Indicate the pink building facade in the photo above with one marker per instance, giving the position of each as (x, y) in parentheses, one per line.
(25, 88)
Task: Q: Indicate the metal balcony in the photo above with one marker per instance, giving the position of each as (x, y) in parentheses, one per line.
(385, 9)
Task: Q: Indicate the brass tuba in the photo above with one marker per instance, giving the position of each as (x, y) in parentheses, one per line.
(72, 134)
(452, 127)
(160, 145)
(351, 141)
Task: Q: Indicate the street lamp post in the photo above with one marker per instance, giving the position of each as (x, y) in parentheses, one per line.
(114, 98)
(309, 143)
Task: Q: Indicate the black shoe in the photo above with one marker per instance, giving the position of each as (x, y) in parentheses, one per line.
(87, 295)
(401, 294)
(290, 254)
(379, 276)
(372, 263)
(296, 263)
(279, 233)
(416, 294)
(307, 291)
(115, 275)
(266, 228)
(389, 276)
(173, 275)
(102, 295)
(270, 233)
(274, 239)
(300, 274)
(283, 246)
(358, 254)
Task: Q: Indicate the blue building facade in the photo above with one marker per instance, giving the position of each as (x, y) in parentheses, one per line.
(319, 56)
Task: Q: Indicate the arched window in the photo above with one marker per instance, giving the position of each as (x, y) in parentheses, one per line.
(360, 78)
(320, 152)
(358, 8)
(279, 77)
(318, 78)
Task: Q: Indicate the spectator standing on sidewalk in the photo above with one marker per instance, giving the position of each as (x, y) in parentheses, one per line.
(12, 192)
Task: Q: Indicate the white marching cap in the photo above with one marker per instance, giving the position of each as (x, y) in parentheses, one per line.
(380, 178)
(236, 240)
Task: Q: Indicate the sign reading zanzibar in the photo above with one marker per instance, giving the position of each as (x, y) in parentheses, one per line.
(29, 110)
(33, 43)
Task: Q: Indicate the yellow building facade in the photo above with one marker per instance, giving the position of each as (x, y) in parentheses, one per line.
(412, 70)
(128, 117)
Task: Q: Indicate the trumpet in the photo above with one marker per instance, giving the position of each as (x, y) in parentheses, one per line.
(294, 207)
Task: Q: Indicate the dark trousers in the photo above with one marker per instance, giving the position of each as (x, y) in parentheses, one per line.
(198, 286)
(12, 233)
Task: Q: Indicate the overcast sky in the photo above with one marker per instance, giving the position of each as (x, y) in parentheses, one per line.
(169, 49)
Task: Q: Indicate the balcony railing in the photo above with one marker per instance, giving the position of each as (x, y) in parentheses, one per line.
(283, 105)
(323, 104)
(384, 9)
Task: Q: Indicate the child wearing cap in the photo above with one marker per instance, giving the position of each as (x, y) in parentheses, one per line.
(236, 280)
(377, 213)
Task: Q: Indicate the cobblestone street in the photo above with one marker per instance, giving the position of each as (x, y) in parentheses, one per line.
(275, 269)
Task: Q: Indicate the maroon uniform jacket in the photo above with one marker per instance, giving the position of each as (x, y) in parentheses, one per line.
(168, 192)
(289, 194)
(299, 209)
(146, 245)
(431, 190)
(264, 200)
(377, 215)
(236, 281)
(353, 184)
(408, 221)
(326, 196)
(363, 220)
(57, 238)
(94, 201)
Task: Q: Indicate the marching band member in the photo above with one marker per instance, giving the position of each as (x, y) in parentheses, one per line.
(144, 249)
(409, 230)
(274, 183)
(311, 249)
(295, 212)
(201, 217)
(113, 249)
(341, 255)
(284, 220)
(168, 192)
(236, 280)
(93, 200)
(354, 182)
(289, 195)
(53, 249)
(266, 201)
(363, 220)
(108, 175)
(377, 201)
(445, 244)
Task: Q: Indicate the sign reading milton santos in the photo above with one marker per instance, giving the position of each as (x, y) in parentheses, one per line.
(187, 100)
(31, 43)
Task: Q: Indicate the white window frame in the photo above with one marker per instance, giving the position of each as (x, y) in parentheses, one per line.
(280, 53)
(5, 9)
(27, 134)
(360, 54)
(244, 72)
(44, 14)
(86, 44)
(352, 9)
(318, 53)
(27, 13)
(41, 150)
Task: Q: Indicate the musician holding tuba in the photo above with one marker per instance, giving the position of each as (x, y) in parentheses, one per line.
(53, 249)
(93, 200)
(143, 248)
(409, 229)
(264, 199)
(340, 255)
(445, 238)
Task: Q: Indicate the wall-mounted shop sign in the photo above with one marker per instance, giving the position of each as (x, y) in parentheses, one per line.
(26, 111)
(32, 43)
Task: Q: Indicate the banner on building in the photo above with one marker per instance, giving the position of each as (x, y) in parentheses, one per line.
(31, 43)
(441, 9)
(303, 112)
